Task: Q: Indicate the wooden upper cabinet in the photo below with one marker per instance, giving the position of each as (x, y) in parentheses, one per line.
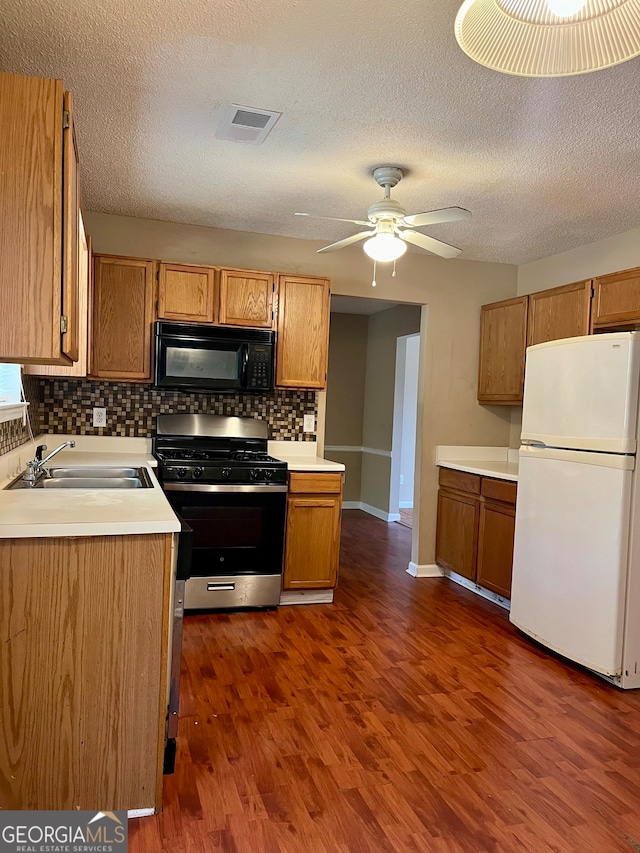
(186, 293)
(616, 301)
(246, 298)
(38, 172)
(562, 312)
(123, 307)
(70, 253)
(503, 342)
(303, 332)
(79, 368)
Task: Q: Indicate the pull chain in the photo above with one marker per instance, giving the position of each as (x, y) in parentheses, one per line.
(373, 283)
(393, 274)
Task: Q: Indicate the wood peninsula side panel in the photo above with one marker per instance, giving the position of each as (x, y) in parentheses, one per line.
(83, 663)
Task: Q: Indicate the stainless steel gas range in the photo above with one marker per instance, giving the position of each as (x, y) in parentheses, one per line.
(219, 479)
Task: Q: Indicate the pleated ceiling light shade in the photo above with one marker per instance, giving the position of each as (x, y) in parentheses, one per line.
(525, 38)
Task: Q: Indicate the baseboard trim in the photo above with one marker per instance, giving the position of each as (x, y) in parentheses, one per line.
(406, 504)
(140, 812)
(428, 570)
(372, 510)
(306, 596)
(505, 603)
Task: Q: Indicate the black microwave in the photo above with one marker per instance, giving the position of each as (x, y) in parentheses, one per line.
(213, 358)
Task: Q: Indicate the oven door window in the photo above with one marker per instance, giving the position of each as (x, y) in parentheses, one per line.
(233, 534)
(200, 364)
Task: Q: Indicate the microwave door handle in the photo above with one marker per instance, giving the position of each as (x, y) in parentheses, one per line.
(245, 365)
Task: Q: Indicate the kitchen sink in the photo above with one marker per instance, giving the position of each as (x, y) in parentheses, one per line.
(92, 483)
(89, 478)
(93, 473)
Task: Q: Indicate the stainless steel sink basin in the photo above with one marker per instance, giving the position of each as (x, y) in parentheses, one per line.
(88, 478)
(92, 483)
(93, 473)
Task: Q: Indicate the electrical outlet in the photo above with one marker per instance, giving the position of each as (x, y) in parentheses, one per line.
(309, 424)
(99, 417)
(402, 479)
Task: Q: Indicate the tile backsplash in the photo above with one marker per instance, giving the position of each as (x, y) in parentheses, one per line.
(131, 409)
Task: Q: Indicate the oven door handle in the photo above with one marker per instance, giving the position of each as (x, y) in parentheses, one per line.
(228, 489)
(214, 587)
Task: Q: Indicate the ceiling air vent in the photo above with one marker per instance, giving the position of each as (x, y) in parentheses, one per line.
(245, 124)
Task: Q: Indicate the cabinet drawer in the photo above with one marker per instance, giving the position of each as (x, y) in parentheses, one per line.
(460, 481)
(313, 484)
(499, 490)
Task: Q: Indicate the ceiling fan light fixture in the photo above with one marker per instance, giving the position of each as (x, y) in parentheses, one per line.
(549, 38)
(384, 248)
(566, 8)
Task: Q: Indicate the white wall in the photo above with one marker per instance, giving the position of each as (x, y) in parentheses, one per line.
(620, 252)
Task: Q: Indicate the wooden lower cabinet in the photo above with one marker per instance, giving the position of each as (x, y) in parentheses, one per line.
(312, 542)
(457, 539)
(475, 528)
(83, 671)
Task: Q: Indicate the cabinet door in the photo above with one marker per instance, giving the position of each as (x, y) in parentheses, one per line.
(31, 232)
(70, 208)
(495, 546)
(562, 312)
(123, 302)
(79, 368)
(303, 332)
(312, 548)
(457, 533)
(503, 341)
(246, 299)
(616, 301)
(186, 293)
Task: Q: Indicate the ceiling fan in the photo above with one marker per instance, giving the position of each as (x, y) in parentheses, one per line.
(390, 229)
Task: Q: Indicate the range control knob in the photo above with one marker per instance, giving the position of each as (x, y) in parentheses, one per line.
(267, 473)
(226, 473)
(198, 472)
(181, 472)
(255, 473)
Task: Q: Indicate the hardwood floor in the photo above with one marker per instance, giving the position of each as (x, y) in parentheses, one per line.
(406, 517)
(407, 716)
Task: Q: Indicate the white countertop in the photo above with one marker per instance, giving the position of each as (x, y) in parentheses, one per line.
(498, 462)
(26, 513)
(302, 456)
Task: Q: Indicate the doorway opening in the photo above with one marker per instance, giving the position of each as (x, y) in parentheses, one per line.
(405, 413)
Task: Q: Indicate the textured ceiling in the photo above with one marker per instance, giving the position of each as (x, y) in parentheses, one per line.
(543, 165)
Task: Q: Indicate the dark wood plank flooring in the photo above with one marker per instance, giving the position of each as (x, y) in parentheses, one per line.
(407, 716)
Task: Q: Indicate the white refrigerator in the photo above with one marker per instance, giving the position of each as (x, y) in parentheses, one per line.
(576, 565)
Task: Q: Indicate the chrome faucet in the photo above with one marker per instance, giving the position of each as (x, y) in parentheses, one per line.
(35, 469)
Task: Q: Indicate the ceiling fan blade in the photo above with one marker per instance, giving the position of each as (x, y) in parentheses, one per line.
(433, 217)
(346, 242)
(429, 244)
(335, 219)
